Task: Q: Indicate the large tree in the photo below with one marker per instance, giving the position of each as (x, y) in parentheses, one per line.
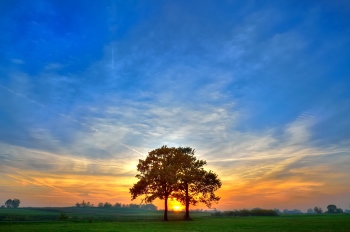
(157, 177)
(194, 184)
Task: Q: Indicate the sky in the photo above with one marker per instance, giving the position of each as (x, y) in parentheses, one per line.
(260, 89)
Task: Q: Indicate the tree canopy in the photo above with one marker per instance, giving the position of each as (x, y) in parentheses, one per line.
(175, 173)
(194, 183)
(155, 177)
(12, 203)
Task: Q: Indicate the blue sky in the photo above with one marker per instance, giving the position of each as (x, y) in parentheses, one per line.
(259, 88)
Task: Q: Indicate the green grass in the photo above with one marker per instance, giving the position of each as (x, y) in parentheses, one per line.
(135, 220)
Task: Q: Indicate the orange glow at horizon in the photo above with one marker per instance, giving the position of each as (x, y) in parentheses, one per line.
(65, 190)
(271, 188)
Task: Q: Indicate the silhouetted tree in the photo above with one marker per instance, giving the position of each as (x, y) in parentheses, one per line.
(157, 176)
(334, 209)
(15, 203)
(331, 208)
(107, 205)
(194, 183)
(117, 205)
(318, 210)
(8, 203)
(12, 203)
(100, 204)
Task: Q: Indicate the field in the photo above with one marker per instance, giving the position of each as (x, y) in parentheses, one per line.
(99, 219)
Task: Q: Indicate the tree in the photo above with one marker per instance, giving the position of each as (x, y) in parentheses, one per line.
(8, 203)
(194, 183)
(107, 205)
(12, 203)
(156, 177)
(117, 205)
(15, 203)
(318, 210)
(331, 208)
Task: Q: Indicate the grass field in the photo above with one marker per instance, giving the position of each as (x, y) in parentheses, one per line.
(47, 219)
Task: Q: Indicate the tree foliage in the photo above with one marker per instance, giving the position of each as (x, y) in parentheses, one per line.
(156, 179)
(318, 210)
(334, 209)
(194, 183)
(12, 203)
(175, 173)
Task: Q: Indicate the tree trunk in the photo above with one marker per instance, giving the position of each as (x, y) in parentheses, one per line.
(187, 215)
(166, 209)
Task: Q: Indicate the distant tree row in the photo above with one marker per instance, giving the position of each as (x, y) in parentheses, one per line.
(130, 206)
(11, 203)
(330, 209)
(317, 210)
(84, 204)
(294, 211)
(247, 212)
(117, 205)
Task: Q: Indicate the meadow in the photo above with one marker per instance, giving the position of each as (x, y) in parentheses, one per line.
(100, 219)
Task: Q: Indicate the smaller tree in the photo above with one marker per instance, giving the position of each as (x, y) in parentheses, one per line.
(194, 183)
(107, 205)
(331, 208)
(117, 205)
(100, 204)
(15, 203)
(8, 203)
(318, 210)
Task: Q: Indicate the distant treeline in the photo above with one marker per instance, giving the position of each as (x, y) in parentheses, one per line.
(246, 212)
(117, 205)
